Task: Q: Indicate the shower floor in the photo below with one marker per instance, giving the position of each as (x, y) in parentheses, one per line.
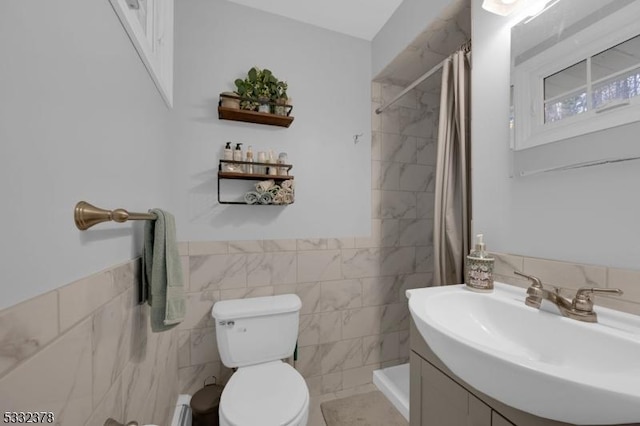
(393, 382)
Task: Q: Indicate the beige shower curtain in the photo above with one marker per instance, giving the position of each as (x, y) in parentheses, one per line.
(451, 236)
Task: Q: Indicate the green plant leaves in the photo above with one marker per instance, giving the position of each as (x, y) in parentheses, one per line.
(253, 74)
(260, 85)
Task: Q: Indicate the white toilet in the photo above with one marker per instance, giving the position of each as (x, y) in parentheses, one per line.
(254, 335)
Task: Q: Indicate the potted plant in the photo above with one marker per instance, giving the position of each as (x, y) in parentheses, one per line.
(230, 100)
(280, 96)
(260, 89)
(246, 89)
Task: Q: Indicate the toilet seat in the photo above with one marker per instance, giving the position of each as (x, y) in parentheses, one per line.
(269, 394)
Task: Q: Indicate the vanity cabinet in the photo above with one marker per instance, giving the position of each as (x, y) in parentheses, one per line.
(440, 398)
(443, 402)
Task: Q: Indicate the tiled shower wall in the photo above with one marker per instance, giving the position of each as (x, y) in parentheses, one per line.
(86, 353)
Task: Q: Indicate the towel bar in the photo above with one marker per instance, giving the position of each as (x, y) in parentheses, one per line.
(86, 215)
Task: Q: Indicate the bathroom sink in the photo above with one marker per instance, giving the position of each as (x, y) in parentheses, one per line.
(535, 360)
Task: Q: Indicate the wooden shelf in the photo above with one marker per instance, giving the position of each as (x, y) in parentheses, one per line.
(253, 176)
(226, 174)
(254, 117)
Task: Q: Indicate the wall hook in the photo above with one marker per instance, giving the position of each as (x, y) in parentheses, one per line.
(356, 138)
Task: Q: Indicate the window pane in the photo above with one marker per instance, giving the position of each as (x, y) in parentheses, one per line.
(616, 59)
(566, 81)
(618, 88)
(568, 106)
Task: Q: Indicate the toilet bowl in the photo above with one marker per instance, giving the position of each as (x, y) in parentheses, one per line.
(273, 393)
(254, 335)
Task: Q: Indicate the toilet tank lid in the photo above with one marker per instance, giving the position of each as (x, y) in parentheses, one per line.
(256, 306)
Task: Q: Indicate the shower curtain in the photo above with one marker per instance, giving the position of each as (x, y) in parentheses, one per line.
(452, 217)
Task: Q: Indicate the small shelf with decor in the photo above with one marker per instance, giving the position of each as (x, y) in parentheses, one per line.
(279, 186)
(259, 98)
(235, 113)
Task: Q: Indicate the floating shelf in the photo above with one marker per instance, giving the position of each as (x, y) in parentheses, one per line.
(254, 117)
(247, 116)
(251, 176)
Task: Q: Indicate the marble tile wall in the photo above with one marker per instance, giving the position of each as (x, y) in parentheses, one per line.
(86, 352)
(569, 277)
(354, 316)
(443, 36)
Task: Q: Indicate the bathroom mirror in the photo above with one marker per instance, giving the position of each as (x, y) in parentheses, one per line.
(575, 79)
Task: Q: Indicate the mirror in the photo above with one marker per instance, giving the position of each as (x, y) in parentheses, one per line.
(575, 76)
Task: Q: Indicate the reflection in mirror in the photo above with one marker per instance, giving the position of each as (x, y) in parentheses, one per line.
(575, 72)
(616, 73)
(565, 93)
(614, 76)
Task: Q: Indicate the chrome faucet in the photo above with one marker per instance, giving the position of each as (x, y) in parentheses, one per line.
(579, 308)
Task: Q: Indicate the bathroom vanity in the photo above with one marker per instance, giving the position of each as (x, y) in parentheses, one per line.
(497, 358)
(439, 398)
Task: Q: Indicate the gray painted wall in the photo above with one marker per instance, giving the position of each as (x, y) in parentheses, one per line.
(80, 118)
(329, 76)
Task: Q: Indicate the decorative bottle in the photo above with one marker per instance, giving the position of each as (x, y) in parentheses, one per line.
(479, 270)
(249, 159)
(237, 156)
(272, 170)
(282, 159)
(262, 158)
(228, 155)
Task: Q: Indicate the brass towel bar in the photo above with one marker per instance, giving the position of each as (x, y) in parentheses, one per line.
(86, 215)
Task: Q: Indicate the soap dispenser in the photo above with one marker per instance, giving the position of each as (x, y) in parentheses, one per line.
(228, 156)
(479, 276)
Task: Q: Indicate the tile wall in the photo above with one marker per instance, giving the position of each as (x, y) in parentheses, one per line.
(354, 317)
(569, 277)
(86, 352)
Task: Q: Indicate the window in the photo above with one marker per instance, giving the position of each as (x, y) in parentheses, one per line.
(565, 93)
(586, 82)
(149, 24)
(614, 77)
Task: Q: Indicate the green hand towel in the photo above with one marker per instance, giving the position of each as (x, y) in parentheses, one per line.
(162, 279)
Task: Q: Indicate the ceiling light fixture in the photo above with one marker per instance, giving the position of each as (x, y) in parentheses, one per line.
(500, 7)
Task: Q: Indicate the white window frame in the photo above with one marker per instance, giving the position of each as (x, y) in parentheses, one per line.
(155, 46)
(528, 80)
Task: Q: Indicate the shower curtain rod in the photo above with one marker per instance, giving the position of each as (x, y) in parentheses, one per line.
(411, 86)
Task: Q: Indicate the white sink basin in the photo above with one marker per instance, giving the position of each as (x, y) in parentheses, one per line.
(536, 361)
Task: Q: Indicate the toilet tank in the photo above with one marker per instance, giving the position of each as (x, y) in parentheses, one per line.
(256, 330)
